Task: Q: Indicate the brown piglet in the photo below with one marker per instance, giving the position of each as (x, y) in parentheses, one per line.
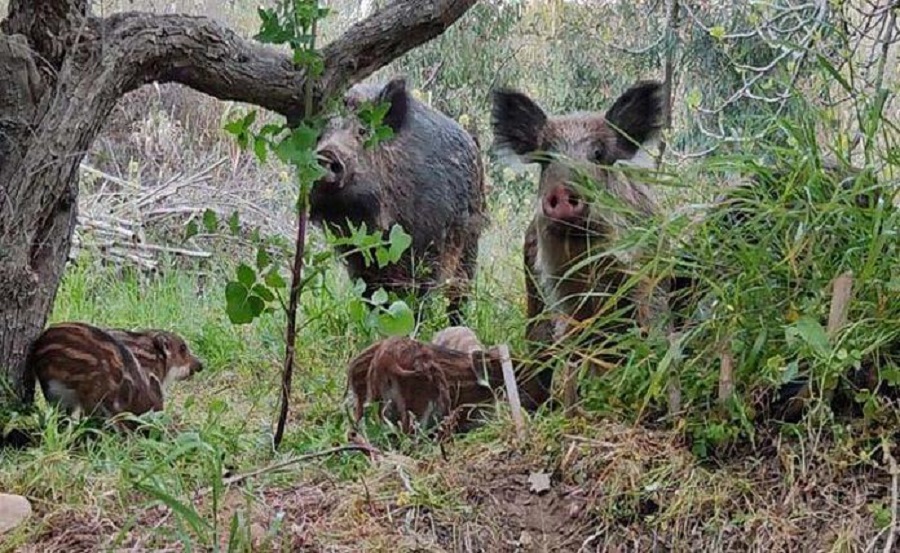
(88, 370)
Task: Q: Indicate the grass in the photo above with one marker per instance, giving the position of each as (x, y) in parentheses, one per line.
(720, 478)
(822, 484)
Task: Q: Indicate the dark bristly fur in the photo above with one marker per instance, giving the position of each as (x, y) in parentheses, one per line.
(427, 178)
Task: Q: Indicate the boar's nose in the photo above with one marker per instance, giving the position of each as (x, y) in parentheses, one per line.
(334, 169)
(562, 204)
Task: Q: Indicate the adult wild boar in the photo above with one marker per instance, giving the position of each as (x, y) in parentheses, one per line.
(571, 274)
(428, 178)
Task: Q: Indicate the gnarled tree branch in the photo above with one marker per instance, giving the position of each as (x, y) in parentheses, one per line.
(86, 63)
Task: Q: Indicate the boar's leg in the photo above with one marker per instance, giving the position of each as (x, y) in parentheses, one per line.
(459, 294)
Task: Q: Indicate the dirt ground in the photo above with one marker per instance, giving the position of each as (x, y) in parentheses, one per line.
(622, 489)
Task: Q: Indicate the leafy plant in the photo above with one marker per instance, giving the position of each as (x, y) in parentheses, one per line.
(255, 290)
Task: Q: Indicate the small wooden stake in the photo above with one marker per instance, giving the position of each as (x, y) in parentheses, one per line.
(512, 390)
(841, 289)
(726, 373)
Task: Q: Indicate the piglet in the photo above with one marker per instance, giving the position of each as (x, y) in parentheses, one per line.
(84, 369)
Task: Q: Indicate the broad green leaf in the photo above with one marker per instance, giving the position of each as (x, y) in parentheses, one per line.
(237, 306)
(397, 320)
(400, 241)
(357, 310)
(263, 292)
(274, 279)
(256, 305)
(246, 275)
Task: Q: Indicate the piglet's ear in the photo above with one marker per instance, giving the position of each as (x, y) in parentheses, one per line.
(394, 92)
(161, 342)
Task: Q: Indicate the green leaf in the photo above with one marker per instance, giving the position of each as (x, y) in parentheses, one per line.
(399, 241)
(262, 258)
(383, 257)
(263, 292)
(246, 275)
(274, 280)
(210, 221)
(270, 129)
(272, 31)
(256, 305)
(237, 306)
(717, 32)
(191, 229)
(261, 149)
(810, 331)
(357, 310)
(234, 223)
(380, 297)
(397, 320)
(298, 148)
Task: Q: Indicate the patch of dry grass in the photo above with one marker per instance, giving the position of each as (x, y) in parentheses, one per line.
(613, 488)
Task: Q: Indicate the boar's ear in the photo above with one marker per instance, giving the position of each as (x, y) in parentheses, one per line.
(636, 116)
(395, 93)
(517, 122)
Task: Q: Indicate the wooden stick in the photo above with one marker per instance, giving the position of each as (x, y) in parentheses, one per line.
(895, 473)
(841, 290)
(512, 390)
(726, 373)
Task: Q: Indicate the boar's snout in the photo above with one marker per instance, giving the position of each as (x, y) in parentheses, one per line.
(333, 166)
(562, 204)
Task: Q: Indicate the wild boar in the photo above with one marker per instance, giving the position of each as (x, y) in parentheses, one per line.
(87, 370)
(428, 178)
(570, 274)
(431, 382)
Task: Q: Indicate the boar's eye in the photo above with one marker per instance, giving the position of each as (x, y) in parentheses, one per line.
(598, 155)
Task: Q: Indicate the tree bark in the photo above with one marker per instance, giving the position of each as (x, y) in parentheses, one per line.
(62, 72)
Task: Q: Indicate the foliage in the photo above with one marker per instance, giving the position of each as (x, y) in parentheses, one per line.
(764, 286)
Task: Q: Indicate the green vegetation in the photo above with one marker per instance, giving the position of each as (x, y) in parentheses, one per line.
(722, 476)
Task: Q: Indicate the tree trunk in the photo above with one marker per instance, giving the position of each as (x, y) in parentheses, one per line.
(61, 74)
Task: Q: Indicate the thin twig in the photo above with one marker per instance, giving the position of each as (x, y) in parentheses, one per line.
(895, 474)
